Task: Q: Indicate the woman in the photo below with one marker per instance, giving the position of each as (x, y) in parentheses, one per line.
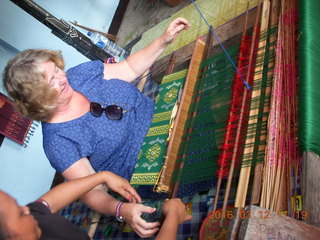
(38, 220)
(93, 118)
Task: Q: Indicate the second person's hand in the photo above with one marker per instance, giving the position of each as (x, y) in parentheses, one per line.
(122, 186)
(131, 213)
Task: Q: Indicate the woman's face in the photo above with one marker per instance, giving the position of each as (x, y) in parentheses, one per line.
(57, 79)
(18, 220)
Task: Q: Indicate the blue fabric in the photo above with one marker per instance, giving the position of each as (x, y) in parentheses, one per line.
(111, 145)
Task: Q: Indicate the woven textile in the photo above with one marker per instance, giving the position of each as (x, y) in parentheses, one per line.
(216, 12)
(151, 156)
(204, 129)
(12, 124)
(151, 86)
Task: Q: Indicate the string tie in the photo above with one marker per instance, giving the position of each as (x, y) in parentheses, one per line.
(221, 45)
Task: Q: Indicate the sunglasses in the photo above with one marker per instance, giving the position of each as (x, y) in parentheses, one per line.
(113, 112)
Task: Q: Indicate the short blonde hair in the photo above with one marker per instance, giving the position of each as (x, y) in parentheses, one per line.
(25, 82)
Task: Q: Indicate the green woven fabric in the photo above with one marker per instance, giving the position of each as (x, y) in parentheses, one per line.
(309, 71)
(257, 130)
(205, 127)
(153, 151)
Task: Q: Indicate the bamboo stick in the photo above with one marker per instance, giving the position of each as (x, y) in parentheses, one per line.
(107, 35)
(258, 170)
(245, 171)
(233, 160)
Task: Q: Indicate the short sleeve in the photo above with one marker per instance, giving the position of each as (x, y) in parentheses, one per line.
(61, 156)
(63, 150)
(39, 207)
(84, 72)
(55, 226)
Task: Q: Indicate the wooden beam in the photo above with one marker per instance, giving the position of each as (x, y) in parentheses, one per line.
(164, 183)
(311, 187)
(260, 223)
(225, 32)
(118, 17)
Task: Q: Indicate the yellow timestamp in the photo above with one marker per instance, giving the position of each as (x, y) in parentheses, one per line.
(247, 214)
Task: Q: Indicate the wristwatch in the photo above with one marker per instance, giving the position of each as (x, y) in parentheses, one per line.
(118, 216)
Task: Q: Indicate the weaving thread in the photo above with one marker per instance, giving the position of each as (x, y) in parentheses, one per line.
(200, 147)
(164, 182)
(251, 131)
(309, 70)
(282, 155)
(221, 45)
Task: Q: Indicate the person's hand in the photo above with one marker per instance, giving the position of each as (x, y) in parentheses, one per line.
(174, 208)
(131, 213)
(122, 186)
(174, 28)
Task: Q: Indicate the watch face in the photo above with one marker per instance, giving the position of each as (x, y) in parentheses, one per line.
(120, 218)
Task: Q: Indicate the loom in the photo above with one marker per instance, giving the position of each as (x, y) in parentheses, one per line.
(208, 136)
(214, 130)
(198, 127)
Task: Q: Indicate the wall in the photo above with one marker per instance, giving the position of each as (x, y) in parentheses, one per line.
(153, 12)
(25, 173)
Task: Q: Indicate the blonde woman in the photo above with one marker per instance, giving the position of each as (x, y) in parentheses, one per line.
(93, 118)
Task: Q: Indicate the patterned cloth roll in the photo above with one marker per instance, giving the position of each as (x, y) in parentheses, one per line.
(12, 124)
(153, 151)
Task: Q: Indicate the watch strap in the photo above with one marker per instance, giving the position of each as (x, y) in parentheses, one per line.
(118, 216)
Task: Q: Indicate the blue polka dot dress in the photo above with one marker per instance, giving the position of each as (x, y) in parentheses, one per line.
(111, 145)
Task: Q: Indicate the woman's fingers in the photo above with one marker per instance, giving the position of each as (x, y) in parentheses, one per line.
(133, 214)
(129, 193)
(174, 28)
(144, 233)
(133, 195)
(147, 229)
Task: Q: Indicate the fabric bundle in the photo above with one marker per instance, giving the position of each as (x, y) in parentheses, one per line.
(153, 151)
(12, 124)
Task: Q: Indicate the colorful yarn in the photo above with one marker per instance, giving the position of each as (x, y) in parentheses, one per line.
(207, 116)
(309, 71)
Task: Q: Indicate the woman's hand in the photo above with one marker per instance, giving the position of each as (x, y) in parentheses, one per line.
(137, 63)
(174, 208)
(122, 186)
(131, 213)
(174, 28)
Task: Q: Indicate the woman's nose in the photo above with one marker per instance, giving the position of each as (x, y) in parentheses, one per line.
(61, 80)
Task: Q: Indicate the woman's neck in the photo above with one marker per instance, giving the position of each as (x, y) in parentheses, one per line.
(75, 108)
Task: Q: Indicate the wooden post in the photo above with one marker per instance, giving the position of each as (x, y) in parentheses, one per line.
(311, 187)
(260, 223)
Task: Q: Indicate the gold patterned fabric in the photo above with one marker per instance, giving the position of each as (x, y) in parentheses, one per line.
(216, 12)
(153, 151)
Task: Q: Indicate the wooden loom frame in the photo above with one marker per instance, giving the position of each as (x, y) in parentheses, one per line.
(164, 180)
